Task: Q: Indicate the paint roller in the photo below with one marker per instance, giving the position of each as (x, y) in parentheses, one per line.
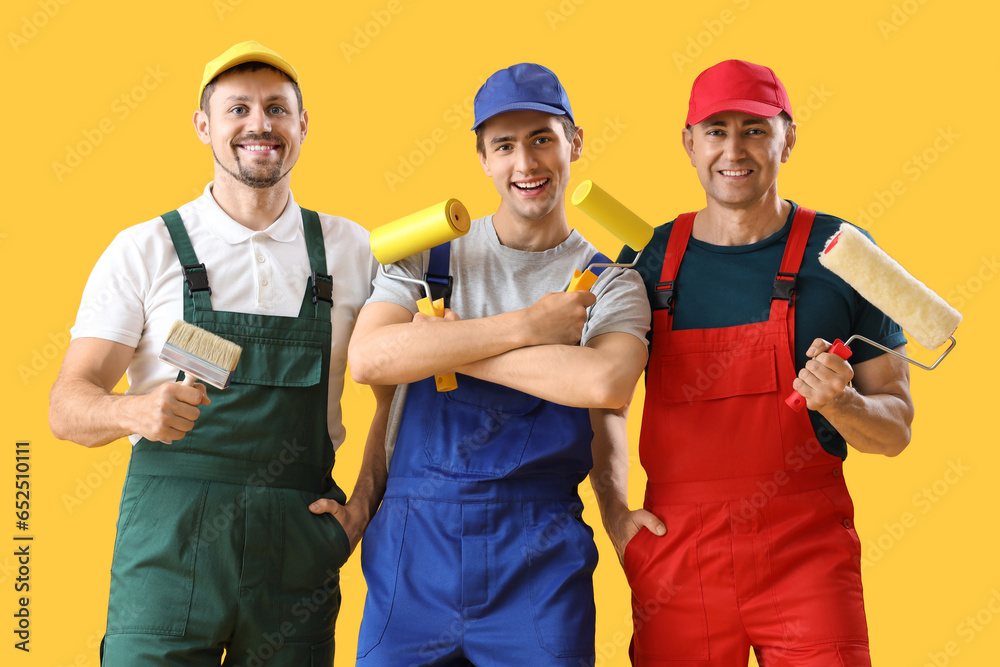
(886, 285)
(607, 211)
(414, 234)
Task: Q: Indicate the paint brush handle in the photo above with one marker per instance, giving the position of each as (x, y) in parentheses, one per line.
(796, 401)
(436, 309)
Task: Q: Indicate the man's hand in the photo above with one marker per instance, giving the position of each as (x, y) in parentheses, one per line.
(558, 317)
(824, 377)
(352, 519)
(168, 413)
(623, 527)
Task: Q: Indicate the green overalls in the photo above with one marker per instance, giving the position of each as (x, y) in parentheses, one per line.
(216, 546)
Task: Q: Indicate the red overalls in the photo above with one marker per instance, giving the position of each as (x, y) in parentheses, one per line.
(760, 547)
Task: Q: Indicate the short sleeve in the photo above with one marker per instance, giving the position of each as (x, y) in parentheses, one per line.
(112, 304)
(391, 289)
(622, 306)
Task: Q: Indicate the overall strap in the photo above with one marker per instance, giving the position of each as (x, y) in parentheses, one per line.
(783, 293)
(664, 291)
(197, 291)
(438, 274)
(318, 299)
(598, 258)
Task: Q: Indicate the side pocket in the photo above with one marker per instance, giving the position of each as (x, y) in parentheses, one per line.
(561, 557)
(668, 604)
(152, 575)
(380, 551)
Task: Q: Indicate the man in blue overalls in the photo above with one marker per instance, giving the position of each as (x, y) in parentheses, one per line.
(478, 554)
(218, 550)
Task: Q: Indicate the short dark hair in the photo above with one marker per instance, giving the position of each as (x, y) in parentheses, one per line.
(252, 66)
(569, 129)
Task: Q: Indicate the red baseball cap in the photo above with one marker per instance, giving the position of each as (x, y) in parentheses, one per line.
(736, 85)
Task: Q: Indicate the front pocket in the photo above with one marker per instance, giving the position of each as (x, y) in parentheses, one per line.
(152, 574)
(668, 604)
(278, 364)
(482, 429)
(722, 373)
(561, 558)
(380, 553)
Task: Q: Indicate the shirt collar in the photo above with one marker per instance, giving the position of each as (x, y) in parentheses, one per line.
(284, 229)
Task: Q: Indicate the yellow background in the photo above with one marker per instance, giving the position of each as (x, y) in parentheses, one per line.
(873, 83)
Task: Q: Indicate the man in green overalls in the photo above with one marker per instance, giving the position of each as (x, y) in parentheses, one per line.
(219, 559)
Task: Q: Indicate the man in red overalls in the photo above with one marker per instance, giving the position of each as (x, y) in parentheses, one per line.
(749, 538)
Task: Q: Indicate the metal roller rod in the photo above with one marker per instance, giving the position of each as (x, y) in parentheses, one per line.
(903, 356)
(406, 279)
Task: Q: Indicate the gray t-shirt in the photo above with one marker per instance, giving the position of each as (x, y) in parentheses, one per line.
(490, 278)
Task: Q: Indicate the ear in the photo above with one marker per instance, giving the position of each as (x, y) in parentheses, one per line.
(789, 142)
(577, 149)
(201, 128)
(303, 125)
(687, 140)
(484, 163)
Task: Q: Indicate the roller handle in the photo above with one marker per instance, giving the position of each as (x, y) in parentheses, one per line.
(582, 281)
(188, 381)
(436, 309)
(796, 401)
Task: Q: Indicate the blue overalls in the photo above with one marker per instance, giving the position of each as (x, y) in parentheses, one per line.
(478, 553)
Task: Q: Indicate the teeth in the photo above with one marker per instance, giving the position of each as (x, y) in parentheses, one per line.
(726, 172)
(531, 185)
(257, 148)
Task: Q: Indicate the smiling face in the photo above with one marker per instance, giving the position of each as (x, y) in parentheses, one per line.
(254, 127)
(527, 155)
(738, 155)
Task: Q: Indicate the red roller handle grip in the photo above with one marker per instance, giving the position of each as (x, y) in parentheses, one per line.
(796, 401)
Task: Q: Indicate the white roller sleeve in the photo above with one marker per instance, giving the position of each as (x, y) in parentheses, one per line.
(887, 286)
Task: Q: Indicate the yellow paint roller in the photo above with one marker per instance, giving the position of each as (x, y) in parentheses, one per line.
(414, 234)
(607, 211)
(886, 285)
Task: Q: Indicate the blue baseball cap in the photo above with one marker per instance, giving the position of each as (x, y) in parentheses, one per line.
(521, 86)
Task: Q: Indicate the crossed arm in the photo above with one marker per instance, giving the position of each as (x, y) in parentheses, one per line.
(533, 350)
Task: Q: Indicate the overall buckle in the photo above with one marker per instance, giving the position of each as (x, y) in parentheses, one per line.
(784, 286)
(663, 296)
(322, 287)
(196, 279)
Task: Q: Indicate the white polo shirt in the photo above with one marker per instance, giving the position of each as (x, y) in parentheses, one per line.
(134, 294)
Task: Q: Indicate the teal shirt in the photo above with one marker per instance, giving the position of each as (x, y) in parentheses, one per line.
(722, 286)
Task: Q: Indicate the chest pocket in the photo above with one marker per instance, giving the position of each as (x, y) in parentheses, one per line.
(723, 373)
(482, 429)
(275, 364)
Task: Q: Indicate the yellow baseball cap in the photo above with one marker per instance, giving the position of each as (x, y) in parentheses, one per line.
(245, 52)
